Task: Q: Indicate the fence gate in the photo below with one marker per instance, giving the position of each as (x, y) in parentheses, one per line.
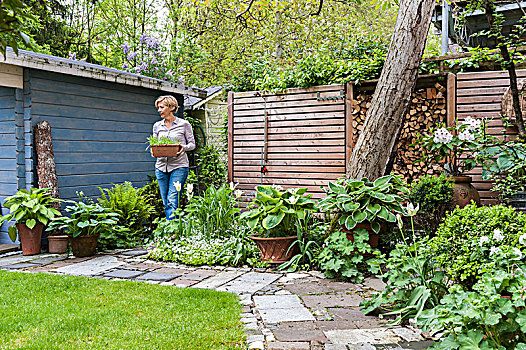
(294, 139)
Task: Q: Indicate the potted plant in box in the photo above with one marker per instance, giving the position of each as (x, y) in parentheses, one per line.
(164, 146)
(364, 204)
(31, 210)
(274, 214)
(85, 223)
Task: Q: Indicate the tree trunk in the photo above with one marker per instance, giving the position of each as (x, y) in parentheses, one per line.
(393, 92)
(46, 171)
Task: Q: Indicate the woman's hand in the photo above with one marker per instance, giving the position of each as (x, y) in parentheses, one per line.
(180, 153)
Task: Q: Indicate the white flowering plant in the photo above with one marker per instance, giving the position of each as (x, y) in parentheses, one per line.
(445, 145)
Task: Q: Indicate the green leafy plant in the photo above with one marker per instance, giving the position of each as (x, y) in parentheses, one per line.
(211, 168)
(151, 194)
(467, 240)
(133, 213)
(88, 219)
(29, 208)
(491, 316)
(163, 140)
(275, 211)
(362, 201)
(434, 196)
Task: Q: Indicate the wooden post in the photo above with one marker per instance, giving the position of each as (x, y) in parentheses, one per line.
(230, 136)
(451, 99)
(46, 170)
(349, 131)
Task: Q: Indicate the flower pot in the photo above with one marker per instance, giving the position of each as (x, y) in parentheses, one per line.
(58, 244)
(518, 201)
(373, 236)
(83, 246)
(30, 238)
(464, 192)
(276, 249)
(166, 150)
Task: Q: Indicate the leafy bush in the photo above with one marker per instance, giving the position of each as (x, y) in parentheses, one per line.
(434, 196)
(212, 170)
(134, 213)
(469, 237)
(151, 194)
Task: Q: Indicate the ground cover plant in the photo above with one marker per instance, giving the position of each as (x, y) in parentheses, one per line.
(42, 311)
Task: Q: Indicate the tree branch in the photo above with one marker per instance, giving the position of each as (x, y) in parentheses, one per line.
(246, 10)
(520, 7)
(320, 6)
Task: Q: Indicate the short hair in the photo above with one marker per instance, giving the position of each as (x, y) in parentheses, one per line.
(168, 100)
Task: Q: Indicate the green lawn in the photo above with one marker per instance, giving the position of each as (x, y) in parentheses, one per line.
(42, 311)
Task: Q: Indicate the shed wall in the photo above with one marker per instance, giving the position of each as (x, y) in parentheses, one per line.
(8, 154)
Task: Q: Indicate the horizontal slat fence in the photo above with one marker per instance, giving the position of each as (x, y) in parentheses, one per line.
(480, 95)
(306, 137)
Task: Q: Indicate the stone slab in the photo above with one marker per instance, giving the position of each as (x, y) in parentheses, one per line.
(16, 259)
(374, 283)
(169, 270)
(19, 266)
(219, 279)
(198, 275)
(8, 248)
(49, 259)
(331, 300)
(91, 267)
(348, 313)
(250, 282)
(288, 346)
(158, 277)
(335, 347)
(138, 252)
(277, 301)
(299, 331)
(307, 288)
(335, 325)
(359, 336)
(182, 283)
(407, 334)
(283, 315)
(125, 274)
(362, 346)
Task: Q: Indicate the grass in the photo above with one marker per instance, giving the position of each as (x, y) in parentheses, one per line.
(43, 311)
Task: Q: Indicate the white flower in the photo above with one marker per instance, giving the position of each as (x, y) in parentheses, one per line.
(472, 123)
(277, 187)
(177, 186)
(294, 199)
(483, 239)
(189, 188)
(232, 186)
(493, 250)
(522, 239)
(411, 210)
(399, 221)
(497, 235)
(238, 193)
(518, 254)
(442, 135)
(466, 135)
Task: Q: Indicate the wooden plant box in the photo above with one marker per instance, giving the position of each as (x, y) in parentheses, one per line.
(166, 150)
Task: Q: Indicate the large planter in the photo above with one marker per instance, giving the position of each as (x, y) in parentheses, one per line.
(82, 246)
(30, 238)
(518, 201)
(373, 236)
(166, 150)
(464, 192)
(276, 249)
(58, 244)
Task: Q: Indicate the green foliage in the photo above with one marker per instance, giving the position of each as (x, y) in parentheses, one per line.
(212, 170)
(163, 140)
(13, 16)
(492, 316)
(276, 212)
(469, 237)
(29, 207)
(434, 196)
(343, 258)
(96, 314)
(215, 211)
(151, 194)
(133, 213)
(356, 201)
(88, 219)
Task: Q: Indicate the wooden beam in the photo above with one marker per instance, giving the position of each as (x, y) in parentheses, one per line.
(349, 131)
(230, 130)
(451, 99)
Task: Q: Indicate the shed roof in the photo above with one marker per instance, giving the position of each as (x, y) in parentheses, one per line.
(191, 102)
(56, 64)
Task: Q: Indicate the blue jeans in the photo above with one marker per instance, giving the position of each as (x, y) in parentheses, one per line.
(169, 194)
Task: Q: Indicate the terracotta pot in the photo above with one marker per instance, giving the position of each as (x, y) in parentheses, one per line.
(166, 150)
(30, 238)
(83, 246)
(373, 236)
(274, 249)
(464, 192)
(58, 244)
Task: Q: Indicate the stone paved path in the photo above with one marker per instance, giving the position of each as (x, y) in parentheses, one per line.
(281, 311)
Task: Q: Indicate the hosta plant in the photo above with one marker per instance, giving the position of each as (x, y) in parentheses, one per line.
(29, 207)
(356, 201)
(276, 211)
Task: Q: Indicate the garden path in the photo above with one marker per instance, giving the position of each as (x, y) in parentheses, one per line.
(280, 310)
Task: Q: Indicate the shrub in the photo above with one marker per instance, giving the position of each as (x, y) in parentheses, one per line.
(467, 240)
(134, 213)
(434, 196)
(212, 170)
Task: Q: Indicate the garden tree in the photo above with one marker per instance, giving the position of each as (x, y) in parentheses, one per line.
(372, 152)
(12, 19)
(503, 40)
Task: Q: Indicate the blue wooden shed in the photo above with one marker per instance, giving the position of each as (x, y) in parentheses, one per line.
(100, 118)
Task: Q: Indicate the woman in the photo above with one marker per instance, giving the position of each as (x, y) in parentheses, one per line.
(171, 172)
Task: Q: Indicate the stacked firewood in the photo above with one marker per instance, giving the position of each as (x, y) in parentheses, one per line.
(428, 107)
